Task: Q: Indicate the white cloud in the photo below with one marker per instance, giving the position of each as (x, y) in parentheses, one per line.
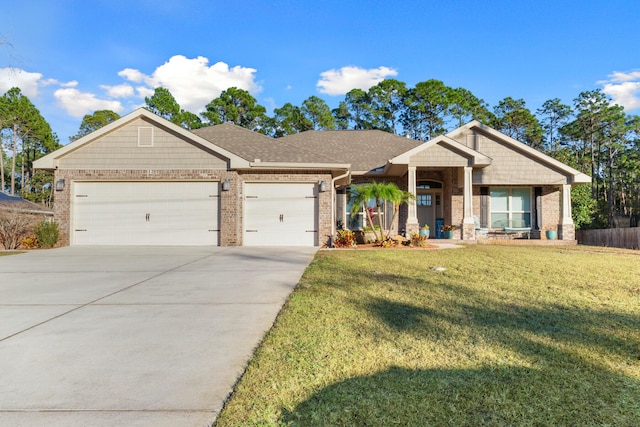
(77, 103)
(626, 94)
(132, 75)
(15, 77)
(144, 91)
(119, 91)
(623, 88)
(194, 83)
(339, 82)
(49, 82)
(619, 77)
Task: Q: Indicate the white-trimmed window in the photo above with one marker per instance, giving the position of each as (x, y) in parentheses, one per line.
(510, 207)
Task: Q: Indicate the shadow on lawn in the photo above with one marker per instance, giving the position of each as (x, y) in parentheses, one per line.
(512, 325)
(485, 396)
(562, 384)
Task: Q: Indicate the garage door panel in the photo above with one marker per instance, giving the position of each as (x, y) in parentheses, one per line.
(145, 213)
(280, 214)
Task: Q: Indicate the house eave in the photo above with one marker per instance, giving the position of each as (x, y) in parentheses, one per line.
(333, 167)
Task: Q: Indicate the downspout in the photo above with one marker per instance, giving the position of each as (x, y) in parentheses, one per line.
(333, 202)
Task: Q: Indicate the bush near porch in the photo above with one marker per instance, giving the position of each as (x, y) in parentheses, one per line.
(504, 336)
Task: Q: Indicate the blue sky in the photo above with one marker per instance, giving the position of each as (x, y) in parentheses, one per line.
(74, 57)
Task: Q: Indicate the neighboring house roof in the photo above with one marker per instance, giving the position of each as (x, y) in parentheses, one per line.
(366, 150)
(18, 204)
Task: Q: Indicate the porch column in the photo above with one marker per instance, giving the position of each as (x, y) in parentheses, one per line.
(468, 224)
(412, 221)
(566, 228)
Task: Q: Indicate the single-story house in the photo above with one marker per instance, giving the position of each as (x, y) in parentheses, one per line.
(142, 180)
(18, 217)
(19, 205)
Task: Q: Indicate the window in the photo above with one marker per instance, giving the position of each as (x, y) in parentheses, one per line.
(423, 200)
(510, 207)
(427, 185)
(361, 219)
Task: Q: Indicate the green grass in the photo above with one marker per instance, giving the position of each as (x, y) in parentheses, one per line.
(505, 336)
(6, 253)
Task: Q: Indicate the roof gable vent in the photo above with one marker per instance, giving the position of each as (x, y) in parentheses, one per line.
(145, 136)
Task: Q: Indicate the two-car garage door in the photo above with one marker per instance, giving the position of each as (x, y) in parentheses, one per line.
(145, 213)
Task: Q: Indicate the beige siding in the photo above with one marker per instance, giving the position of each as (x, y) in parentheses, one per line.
(119, 150)
(509, 166)
(437, 155)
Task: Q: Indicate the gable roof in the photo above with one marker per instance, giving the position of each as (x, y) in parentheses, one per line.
(577, 176)
(18, 204)
(478, 159)
(50, 161)
(366, 150)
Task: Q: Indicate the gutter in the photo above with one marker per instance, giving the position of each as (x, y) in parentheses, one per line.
(289, 165)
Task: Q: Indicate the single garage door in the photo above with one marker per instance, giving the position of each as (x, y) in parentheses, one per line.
(145, 213)
(280, 214)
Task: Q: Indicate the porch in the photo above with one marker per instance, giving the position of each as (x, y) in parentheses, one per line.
(452, 198)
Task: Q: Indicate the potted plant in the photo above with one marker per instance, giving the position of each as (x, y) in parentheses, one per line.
(551, 233)
(448, 230)
(424, 231)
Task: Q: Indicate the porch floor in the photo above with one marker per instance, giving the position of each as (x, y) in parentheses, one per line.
(522, 242)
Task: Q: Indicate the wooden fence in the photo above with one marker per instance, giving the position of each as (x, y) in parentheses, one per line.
(628, 238)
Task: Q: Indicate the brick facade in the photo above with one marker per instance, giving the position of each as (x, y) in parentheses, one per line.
(231, 213)
(324, 202)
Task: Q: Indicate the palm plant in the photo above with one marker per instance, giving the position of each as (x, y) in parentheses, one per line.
(380, 192)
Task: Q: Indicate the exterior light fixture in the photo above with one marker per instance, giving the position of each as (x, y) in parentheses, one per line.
(226, 185)
(60, 185)
(323, 186)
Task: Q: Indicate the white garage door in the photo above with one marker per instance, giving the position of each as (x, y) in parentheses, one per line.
(280, 214)
(145, 213)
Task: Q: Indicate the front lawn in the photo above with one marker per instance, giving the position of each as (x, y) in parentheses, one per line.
(7, 253)
(504, 336)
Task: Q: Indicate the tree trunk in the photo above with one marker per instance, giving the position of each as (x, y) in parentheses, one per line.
(14, 148)
(2, 183)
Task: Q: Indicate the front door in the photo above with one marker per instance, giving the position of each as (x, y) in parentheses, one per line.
(429, 204)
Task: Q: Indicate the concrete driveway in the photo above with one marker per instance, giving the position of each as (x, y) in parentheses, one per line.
(134, 336)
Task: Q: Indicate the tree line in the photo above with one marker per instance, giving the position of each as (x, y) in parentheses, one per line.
(24, 137)
(592, 135)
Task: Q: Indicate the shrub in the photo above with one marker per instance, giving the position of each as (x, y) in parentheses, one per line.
(29, 242)
(47, 233)
(13, 227)
(417, 240)
(345, 239)
(387, 243)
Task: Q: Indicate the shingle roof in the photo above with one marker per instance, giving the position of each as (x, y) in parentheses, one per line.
(8, 202)
(251, 145)
(364, 149)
